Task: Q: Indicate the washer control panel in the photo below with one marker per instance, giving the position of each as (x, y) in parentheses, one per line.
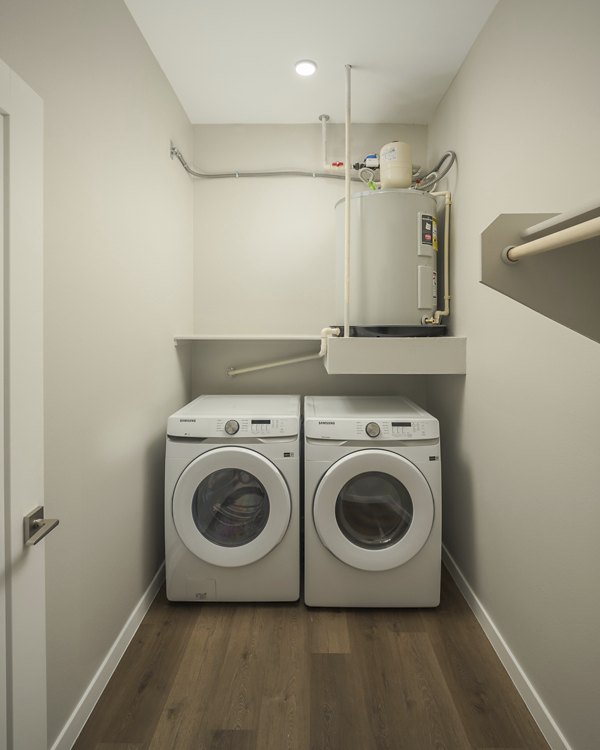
(253, 427)
(232, 426)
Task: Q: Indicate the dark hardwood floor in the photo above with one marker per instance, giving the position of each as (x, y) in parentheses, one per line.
(285, 677)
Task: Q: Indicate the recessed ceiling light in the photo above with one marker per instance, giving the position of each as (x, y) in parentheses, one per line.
(306, 67)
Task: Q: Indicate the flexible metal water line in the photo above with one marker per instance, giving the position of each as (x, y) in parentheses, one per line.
(431, 179)
(176, 154)
(348, 167)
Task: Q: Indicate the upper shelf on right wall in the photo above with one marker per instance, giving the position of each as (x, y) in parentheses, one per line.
(561, 284)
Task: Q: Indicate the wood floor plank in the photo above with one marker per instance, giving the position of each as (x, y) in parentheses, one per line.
(129, 707)
(238, 690)
(232, 739)
(370, 646)
(338, 714)
(180, 724)
(430, 715)
(394, 620)
(328, 631)
(409, 704)
(491, 710)
(284, 709)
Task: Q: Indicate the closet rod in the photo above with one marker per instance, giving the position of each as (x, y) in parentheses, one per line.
(585, 231)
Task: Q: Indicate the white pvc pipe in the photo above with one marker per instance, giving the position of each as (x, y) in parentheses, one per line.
(324, 119)
(325, 334)
(348, 167)
(585, 231)
(233, 371)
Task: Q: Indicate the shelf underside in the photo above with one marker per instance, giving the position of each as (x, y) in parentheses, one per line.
(397, 356)
(368, 356)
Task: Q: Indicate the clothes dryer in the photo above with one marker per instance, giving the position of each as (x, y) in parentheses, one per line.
(232, 499)
(373, 503)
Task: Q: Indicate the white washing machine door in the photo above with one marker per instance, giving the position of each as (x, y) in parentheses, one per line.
(373, 509)
(231, 506)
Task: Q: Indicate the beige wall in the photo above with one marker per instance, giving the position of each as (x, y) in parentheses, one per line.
(522, 435)
(118, 270)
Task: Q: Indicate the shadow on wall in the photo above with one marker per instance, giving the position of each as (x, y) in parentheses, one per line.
(458, 500)
(211, 360)
(561, 284)
(153, 489)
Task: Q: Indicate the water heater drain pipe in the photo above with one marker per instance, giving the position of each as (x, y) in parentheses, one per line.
(325, 334)
(439, 314)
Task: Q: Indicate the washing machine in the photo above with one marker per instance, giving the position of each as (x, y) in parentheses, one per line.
(232, 499)
(373, 503)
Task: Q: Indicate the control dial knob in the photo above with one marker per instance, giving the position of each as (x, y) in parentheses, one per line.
(232, 426)
(372, 429)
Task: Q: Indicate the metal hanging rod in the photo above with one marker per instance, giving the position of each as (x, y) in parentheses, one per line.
(175, 153)
(569, 236)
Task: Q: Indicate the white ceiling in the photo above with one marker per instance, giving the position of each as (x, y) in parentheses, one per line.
(232, 61)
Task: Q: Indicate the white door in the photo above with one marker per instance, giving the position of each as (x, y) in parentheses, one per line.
(231, 506)
(22, 595)
(373, 509)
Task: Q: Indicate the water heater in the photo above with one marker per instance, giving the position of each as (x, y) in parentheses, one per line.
(393, 259)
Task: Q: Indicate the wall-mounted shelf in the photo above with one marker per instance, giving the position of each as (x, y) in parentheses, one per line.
(435, 355)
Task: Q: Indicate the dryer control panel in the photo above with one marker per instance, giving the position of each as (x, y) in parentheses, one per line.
(375, 430)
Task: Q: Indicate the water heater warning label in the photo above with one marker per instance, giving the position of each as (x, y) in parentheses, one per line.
(428, 241)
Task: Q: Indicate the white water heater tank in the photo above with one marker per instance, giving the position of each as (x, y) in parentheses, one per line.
(393, 258)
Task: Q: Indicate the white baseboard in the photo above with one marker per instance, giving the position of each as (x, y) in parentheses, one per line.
(76, 722)
(541, 715)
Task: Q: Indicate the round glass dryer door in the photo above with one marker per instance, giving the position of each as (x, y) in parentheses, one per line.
(373, 509)
(231, 506)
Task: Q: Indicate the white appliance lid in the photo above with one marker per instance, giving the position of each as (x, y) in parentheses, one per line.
(362, 407)
(241, 406)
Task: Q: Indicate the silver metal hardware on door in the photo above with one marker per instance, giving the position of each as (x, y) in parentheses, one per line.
(36, 527)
